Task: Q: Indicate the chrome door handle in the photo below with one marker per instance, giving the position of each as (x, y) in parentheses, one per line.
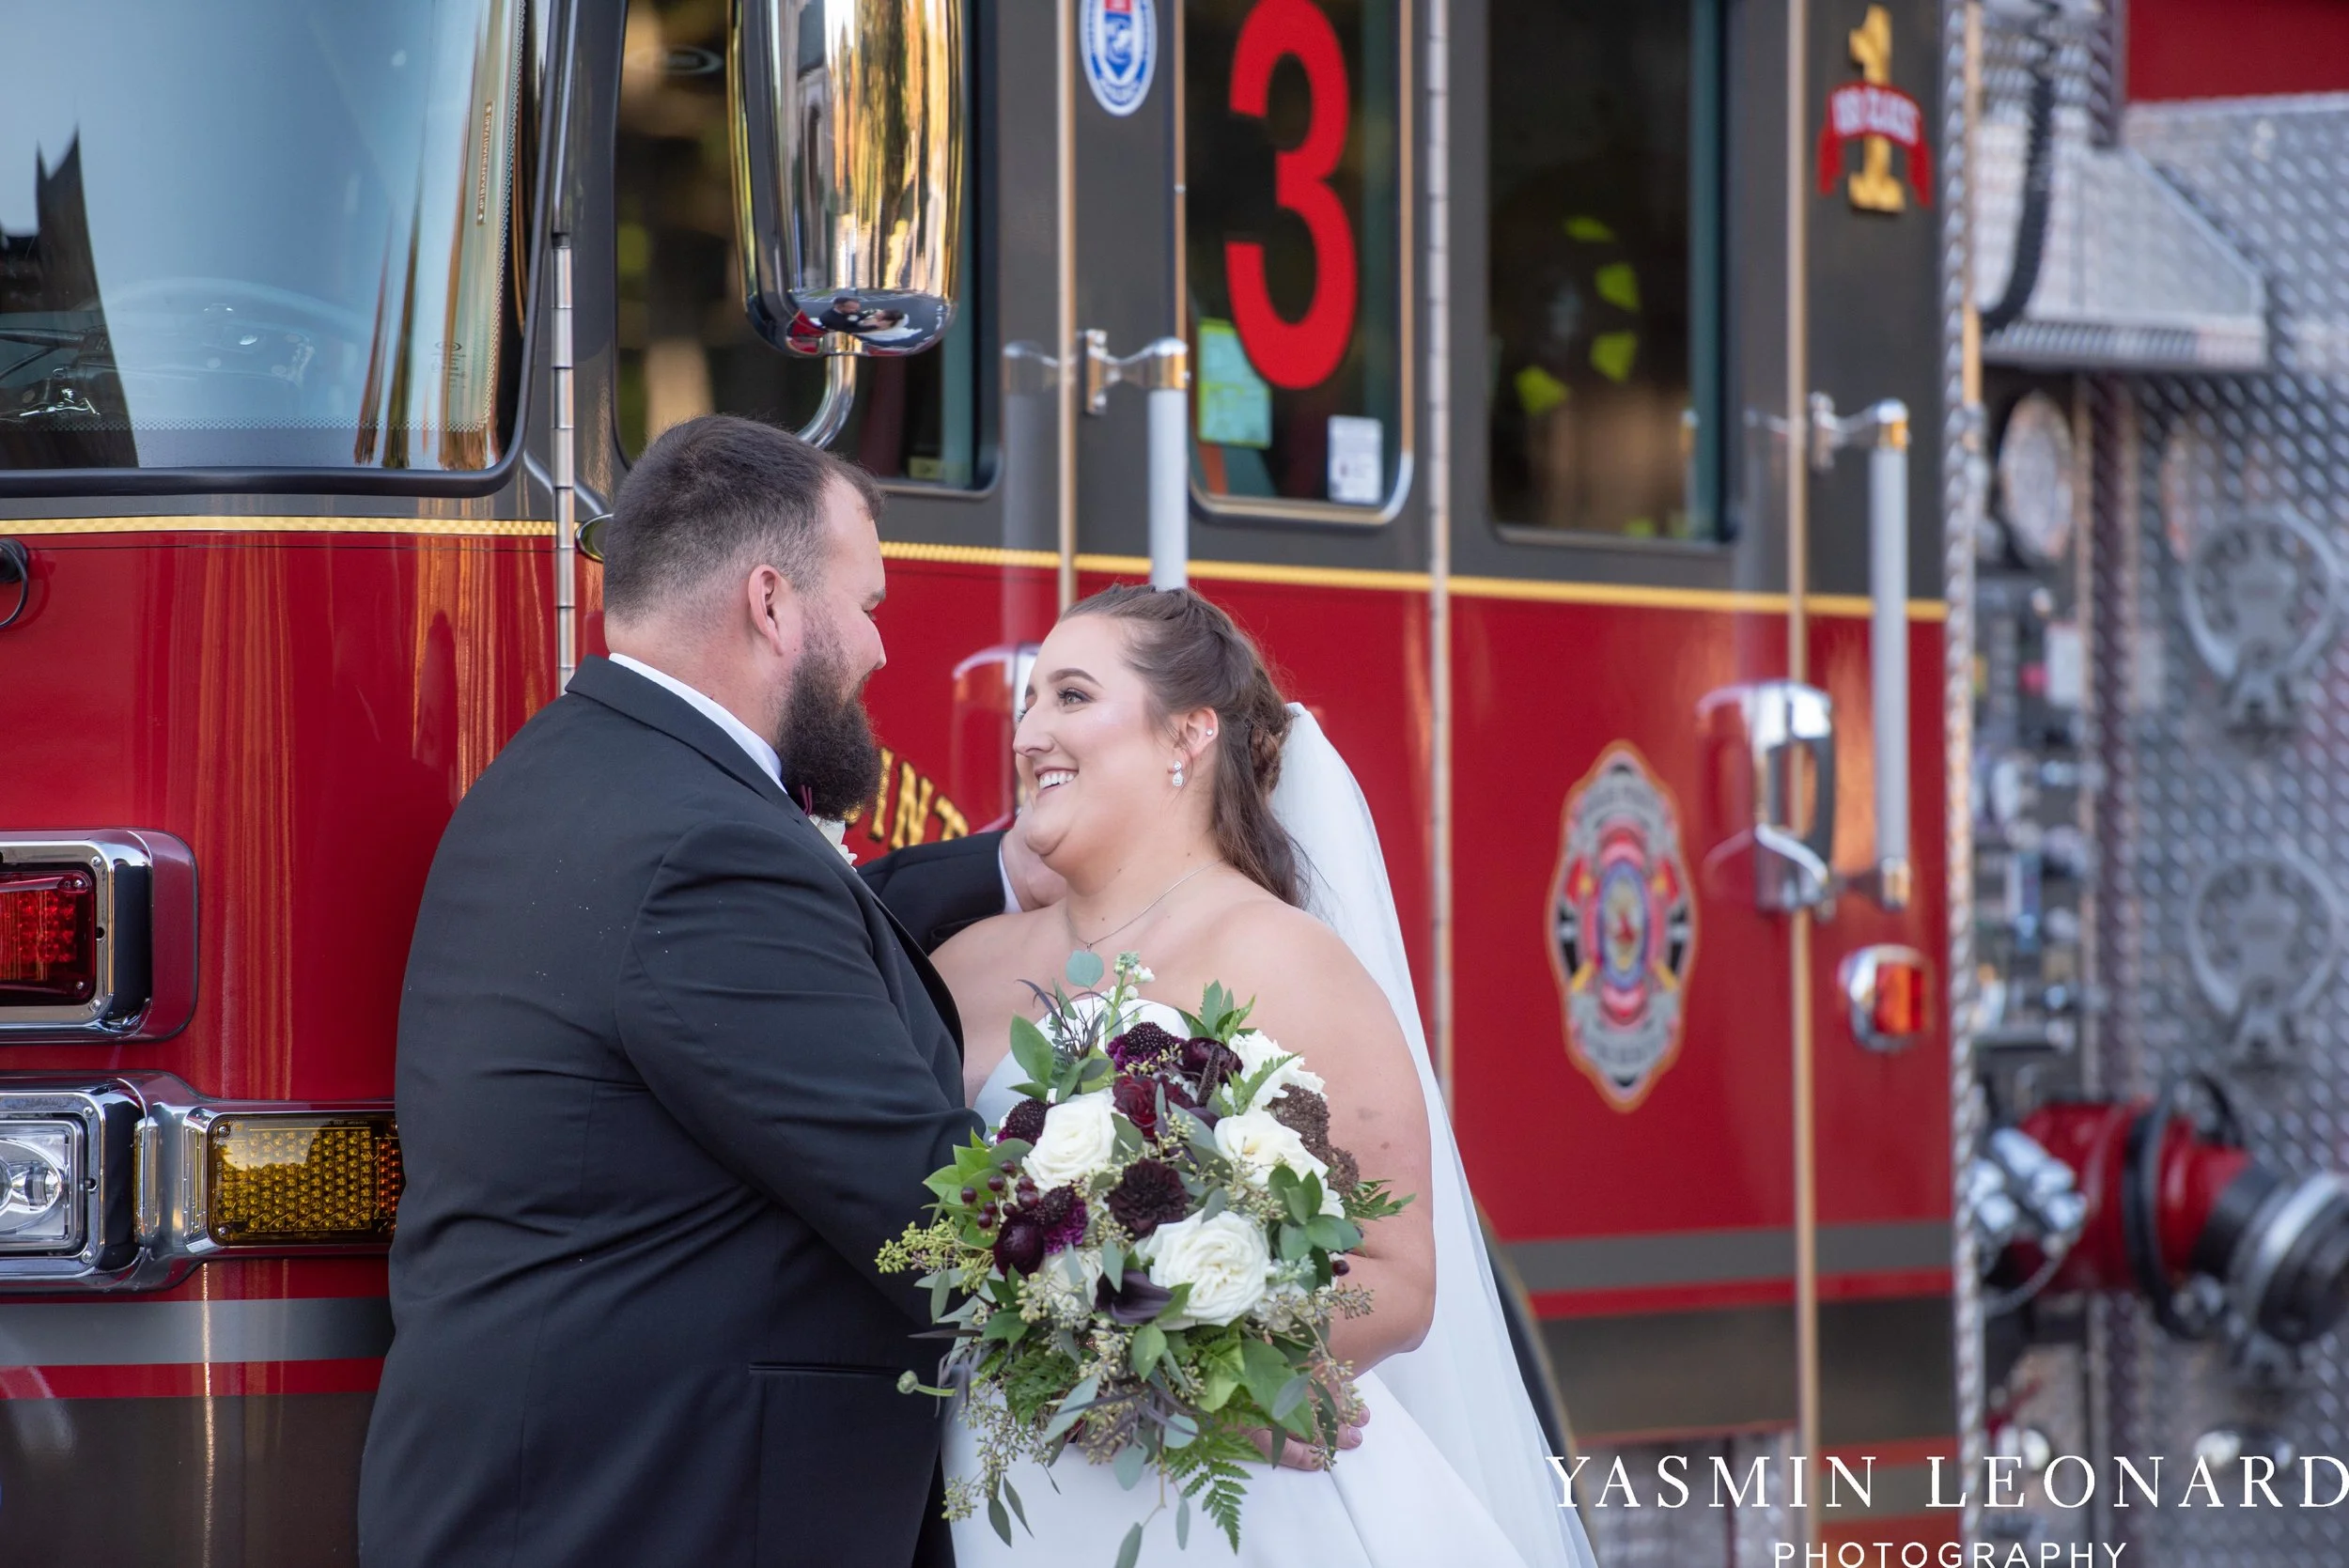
(1792, 724)
(1781, 857)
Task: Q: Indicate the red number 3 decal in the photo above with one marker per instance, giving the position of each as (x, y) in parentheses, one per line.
(1304, 352)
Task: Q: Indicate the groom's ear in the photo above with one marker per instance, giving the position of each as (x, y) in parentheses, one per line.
(777, 613)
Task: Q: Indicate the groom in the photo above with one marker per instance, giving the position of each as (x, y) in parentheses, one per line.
(669, 1077)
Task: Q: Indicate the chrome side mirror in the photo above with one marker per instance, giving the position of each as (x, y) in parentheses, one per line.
(847, 162)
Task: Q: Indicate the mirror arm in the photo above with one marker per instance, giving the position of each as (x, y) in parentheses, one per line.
(832, 414)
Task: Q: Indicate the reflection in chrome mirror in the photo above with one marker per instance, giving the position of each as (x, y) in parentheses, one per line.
(848, 170)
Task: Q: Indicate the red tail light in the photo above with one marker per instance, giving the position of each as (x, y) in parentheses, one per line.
(48, 936)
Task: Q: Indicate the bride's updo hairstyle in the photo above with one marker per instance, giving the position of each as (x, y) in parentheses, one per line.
(1192, 655)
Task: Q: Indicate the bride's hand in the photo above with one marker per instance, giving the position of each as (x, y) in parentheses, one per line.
(1296, 1454)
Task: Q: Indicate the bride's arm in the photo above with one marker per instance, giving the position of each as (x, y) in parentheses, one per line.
(1319, 1003)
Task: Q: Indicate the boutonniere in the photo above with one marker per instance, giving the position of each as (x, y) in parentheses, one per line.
(835, 830)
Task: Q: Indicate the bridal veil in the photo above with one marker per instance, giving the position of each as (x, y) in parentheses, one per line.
(1462, 1384)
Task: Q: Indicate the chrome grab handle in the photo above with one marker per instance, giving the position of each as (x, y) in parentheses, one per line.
(1162, 370)
(1891, 877)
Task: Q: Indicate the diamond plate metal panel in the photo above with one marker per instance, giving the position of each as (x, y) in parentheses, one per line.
(2202, 808)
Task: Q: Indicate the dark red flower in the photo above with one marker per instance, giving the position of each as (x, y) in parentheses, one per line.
(1137, 1100)
(1062, 1213)
(1019, 1250)
(1207, 1063)
(1143, 1046)
(1025, 1121)
(1148, 1195)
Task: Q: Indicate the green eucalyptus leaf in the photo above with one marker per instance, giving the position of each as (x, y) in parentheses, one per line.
(1182, 1524)
(1149, 1344)
(998, 1518)
(1072, 1408)
(1011, 1495)
(1291, 1396)
(1131, 1553)
(1293, 1243)
(1085, 969)
(1113, 1264)
(1330, 1233)
(1031, 1050)
(1128, 1466)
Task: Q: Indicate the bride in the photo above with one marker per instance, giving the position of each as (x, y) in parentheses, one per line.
(1197, 820)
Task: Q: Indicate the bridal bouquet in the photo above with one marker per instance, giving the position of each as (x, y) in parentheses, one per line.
(1145, 1261)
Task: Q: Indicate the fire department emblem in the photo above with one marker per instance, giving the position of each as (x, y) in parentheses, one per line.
(1119, 41)
(1622, 926)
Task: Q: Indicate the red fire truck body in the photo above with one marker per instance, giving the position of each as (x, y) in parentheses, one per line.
(1694, 1018)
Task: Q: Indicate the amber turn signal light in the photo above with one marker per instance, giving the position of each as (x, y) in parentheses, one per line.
(302, 1178)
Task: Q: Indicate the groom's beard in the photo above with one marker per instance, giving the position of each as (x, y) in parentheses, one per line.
(830, 762)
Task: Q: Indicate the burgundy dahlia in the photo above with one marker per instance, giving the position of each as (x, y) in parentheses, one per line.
(1062, 1213)
(1025, 1121)
(1143, 1046)
(1019, 1250)
(1148, 1195)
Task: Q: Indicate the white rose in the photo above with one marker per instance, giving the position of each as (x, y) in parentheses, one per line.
(1258, 1144)
(1223, 1260)
(1255, 1049)
(1079, 1139)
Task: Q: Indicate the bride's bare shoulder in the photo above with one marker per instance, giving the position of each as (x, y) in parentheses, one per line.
(1270, 949)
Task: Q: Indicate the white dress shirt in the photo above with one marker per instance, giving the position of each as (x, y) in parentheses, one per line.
(762, 750)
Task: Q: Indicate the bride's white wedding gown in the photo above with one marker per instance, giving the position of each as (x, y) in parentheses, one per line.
(1452, 1470)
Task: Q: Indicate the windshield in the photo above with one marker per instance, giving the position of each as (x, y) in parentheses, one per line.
(272, 234)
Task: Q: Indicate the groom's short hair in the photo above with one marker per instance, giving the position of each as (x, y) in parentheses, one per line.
(715, 495)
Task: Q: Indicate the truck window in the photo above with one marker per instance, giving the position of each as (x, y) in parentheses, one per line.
(686, 346)
(1294, 251)
(1604, 239)
(267, 235)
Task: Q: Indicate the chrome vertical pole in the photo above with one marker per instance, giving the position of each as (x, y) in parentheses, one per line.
(1167, 378)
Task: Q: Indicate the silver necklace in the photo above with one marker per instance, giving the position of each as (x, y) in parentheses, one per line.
(1161, 898)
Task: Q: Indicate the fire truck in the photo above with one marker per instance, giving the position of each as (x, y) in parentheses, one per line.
(1817, 526)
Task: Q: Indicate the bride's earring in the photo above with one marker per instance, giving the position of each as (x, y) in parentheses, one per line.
(1179, 772)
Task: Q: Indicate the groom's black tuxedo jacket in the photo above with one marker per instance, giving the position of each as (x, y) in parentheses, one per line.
(669, 1077)
(935, 890)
